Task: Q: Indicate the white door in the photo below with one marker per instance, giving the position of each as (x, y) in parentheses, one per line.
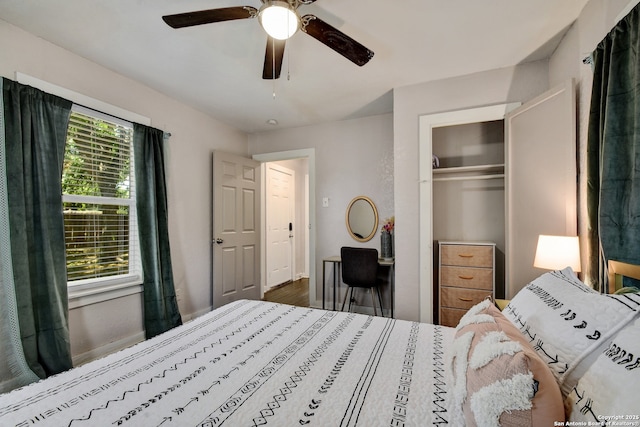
(236, 228)
(541, 179)
(280, 205)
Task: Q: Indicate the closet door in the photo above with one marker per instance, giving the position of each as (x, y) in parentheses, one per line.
(541, 179)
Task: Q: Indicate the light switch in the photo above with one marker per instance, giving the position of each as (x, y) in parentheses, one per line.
(325, 202)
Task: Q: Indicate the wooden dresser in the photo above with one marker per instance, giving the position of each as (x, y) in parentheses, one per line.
(466, 275)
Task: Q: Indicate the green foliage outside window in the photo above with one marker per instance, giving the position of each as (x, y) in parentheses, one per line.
(97, 164)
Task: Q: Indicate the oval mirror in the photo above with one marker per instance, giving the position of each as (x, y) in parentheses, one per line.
(362, 218)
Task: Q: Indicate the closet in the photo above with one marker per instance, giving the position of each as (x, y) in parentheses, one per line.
(496, 175)
(468, 208)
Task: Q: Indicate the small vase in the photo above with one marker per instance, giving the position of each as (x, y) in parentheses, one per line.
(386, 245)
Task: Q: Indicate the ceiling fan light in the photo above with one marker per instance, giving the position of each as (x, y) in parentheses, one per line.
(279, 19)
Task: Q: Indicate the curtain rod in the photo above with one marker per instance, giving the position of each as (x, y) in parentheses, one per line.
(166, 135)
(82, 100)
(101, 113)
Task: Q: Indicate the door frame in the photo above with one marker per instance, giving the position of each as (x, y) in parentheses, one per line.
(427, 123)
(310, 155)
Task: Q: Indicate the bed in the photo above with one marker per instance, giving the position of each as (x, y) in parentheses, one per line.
(254, 363)
(617, 271)
(257, 363)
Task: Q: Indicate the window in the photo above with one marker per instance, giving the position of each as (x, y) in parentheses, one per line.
(98, 198)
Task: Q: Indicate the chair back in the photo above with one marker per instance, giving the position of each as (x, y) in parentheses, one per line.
(359, 266)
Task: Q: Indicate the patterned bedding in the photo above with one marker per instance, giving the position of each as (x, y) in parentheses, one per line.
(253, 363)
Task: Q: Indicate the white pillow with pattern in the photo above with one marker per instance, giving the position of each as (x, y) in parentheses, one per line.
(567, 322)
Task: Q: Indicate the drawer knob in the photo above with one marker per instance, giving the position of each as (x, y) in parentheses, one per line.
(465, 277)
(465, 255)
(465, 299)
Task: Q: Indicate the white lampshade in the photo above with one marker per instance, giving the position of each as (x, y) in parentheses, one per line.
(279, 19)
(557, 252)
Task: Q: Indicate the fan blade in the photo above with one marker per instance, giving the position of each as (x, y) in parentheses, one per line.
(336, 40)
(273, 58)
(209, 16)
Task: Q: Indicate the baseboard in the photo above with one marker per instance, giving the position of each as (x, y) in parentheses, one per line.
(189, 317)
(112, 347)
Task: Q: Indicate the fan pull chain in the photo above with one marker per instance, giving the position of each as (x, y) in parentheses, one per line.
(288, 63)
(273, 65)
(288, 54)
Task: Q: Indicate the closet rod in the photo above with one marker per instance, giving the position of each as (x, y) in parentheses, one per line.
(467, 178)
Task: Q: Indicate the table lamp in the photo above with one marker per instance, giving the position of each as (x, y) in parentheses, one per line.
(557, 252)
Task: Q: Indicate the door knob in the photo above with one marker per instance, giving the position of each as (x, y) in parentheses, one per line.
(219, 241)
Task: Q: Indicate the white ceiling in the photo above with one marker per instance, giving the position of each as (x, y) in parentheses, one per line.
(217, 68)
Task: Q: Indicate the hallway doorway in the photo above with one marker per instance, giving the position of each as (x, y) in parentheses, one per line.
(303, 227)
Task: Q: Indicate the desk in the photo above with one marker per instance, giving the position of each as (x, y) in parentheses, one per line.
(336, 260)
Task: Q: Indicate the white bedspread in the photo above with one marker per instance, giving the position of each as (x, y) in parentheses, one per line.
(254, 363)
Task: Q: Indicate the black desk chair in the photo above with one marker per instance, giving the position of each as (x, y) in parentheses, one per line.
(360, 270)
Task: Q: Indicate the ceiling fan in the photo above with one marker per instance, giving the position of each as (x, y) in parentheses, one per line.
(287, 22)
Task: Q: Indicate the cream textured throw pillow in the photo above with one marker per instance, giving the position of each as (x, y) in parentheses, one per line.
(499, 380)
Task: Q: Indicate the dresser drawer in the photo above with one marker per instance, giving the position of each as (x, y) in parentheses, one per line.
(467, 255)
(462, 298)
(451, 316)
(466, 277)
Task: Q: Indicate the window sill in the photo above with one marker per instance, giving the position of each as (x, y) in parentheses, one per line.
(80, 296)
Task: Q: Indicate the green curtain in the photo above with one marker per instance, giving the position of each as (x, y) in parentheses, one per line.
(35, 133)
(160, 305)
(14, 369)
(613, 148)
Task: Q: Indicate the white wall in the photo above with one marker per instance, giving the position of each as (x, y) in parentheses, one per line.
(353, 158)
(194, 136)
(513, 84)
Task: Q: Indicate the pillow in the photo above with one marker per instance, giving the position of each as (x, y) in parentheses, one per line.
(567, 321)
(607, 387)
(498, 379)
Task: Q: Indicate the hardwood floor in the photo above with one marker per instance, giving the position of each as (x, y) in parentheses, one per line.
(292, 293)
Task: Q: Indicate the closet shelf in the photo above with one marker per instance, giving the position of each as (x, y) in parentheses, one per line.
(468, 177)
(469, 172)
(496, 168)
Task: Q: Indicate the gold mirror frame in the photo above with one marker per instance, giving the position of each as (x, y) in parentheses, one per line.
(360, 213)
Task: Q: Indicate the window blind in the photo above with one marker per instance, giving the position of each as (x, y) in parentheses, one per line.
(99, 198)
